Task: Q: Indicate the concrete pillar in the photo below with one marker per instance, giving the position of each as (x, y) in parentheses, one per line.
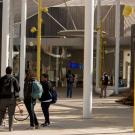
(11, 28)
(23, 45)
(1, 5)
(117, 47)
(5, 36)
(98, 43)
(88, 59)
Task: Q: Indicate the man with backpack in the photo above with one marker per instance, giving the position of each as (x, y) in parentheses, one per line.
(105, 80)
(70, 80)
(9, 91)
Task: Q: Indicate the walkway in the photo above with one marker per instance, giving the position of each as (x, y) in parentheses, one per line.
(66, 116)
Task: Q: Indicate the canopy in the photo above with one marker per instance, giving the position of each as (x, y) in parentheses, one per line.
(32, 5)
(123, 2)
(103, 2)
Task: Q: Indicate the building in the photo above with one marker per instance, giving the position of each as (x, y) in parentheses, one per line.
(68, 40)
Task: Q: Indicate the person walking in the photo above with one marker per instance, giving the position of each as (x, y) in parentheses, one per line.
(29, 101)
(105, 80)
(70, 81)
(45, 99)
(9, 89)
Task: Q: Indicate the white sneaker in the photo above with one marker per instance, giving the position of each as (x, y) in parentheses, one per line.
(10, 129)
(31, 128)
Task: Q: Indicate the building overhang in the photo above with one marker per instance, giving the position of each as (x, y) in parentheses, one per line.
(76, 43)
(32, 7)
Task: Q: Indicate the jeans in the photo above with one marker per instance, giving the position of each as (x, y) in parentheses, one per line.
(45, 109)
(10, 104)
(30, 103)
(69, 90)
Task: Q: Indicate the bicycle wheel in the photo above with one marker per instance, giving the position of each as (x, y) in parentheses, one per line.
(21, 113)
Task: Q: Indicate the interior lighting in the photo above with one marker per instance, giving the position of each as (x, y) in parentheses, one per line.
(128, 10)
(45, 10)
(33, 29)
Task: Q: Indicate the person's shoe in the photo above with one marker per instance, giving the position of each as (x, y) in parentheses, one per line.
(48, 124)
(45, 124)
(31, 128)
(10, 129)
(36, 126)
(101, 96)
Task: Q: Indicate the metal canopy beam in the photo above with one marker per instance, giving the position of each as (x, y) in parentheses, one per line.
(54, 41)
(74, 42)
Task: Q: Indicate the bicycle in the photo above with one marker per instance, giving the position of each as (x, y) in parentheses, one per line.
(21, 113)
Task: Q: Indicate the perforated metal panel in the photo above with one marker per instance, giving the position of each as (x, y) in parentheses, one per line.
(32, 7)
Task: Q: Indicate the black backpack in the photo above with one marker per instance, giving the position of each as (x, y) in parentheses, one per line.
(53, 94)
(105, 80)
(70, 78)
(7, 89)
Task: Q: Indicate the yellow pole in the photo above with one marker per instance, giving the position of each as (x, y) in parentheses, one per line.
(101, 54)
(39, 38)
(134, 98)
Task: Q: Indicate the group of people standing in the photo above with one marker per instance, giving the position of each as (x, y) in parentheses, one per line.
(8, 101)
(30, 102)
(9, 92)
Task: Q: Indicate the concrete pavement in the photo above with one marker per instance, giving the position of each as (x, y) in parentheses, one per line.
(66, 118)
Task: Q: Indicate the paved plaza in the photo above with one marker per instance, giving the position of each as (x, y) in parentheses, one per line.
(108, 118)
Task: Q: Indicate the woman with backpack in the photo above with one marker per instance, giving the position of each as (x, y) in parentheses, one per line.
(45, 99)
(29, 101)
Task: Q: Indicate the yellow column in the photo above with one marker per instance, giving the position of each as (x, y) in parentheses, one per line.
(39, 38)
(134, 98)
(101, 54)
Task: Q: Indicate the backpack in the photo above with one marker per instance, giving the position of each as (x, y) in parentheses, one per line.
(37, 89)
(105, 80)
(53, 94)
(70, 78)
(7, 90)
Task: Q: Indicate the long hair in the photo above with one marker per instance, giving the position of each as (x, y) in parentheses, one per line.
(28, 74)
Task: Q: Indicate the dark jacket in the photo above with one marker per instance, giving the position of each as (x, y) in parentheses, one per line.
(46, 95)
(28, 88)
(105, 80)
(14, 84)
(70, 78)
